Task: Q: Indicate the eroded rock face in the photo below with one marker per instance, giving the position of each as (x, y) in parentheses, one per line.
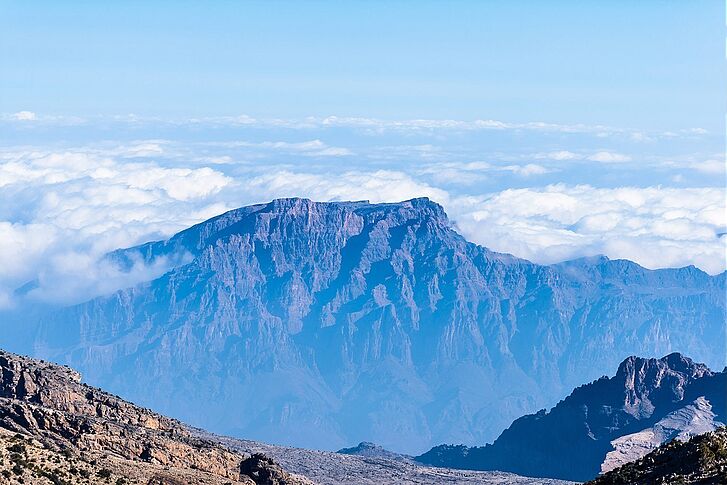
(263, 470)
(60, 388)
(604, 424)
(646, 382)
(50, 404)
(371, 322)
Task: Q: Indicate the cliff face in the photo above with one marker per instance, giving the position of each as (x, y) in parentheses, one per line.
(48, 416)
(355, 321)
(604, 424)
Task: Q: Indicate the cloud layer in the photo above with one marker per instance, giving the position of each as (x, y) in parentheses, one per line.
(63, 205)
(654, 226)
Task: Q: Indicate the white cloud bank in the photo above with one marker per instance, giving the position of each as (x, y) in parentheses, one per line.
(602, 156)
(656, 227)
(60, 211)
(24, 116)
(372, 125)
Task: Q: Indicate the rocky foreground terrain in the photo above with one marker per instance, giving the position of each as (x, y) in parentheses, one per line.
(701, 460)
(56, 430)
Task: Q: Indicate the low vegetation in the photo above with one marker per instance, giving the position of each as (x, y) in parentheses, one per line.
(701, 460)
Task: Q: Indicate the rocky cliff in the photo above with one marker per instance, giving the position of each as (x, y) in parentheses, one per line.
(55, 429)
(604, 424)
(355, 321)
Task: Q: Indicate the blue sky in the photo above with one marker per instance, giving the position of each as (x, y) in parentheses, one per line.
(550, 130)
(648, 64)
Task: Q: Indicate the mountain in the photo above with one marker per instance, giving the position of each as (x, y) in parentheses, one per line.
(604, 424)
(326, 324)
(702, 460)
(56, 430)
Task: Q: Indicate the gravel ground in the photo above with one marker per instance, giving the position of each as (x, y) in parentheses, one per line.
(328, 468)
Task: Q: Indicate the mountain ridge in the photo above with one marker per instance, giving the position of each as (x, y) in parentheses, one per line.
(604, 424)
(368, 314)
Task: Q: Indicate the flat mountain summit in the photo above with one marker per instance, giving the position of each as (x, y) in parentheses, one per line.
(323, 325)
(605, 424)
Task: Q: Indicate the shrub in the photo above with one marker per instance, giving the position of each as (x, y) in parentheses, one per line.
(17, 448)
(104, 473)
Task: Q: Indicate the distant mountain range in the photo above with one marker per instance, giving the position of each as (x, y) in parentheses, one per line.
(327, 324)
(605, 424)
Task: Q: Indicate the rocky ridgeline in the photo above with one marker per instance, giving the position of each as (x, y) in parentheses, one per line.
(56, 429)
(604, 424)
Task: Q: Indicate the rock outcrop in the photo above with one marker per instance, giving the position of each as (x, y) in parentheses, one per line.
(700, 460)
(691, 420)
(604, 424)
(369, 449)
(84, 435)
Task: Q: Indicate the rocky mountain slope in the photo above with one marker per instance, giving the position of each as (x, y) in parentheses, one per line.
(355, 321)
(604, 424)
(701, 460)
(55, 429)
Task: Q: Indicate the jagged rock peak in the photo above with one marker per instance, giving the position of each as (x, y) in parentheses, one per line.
(648, 380)
(608, 421)
(639, 369)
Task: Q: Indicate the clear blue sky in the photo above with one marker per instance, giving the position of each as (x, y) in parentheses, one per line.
(645, 64)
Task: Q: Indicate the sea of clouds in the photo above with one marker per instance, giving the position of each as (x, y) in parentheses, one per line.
(73, 189)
